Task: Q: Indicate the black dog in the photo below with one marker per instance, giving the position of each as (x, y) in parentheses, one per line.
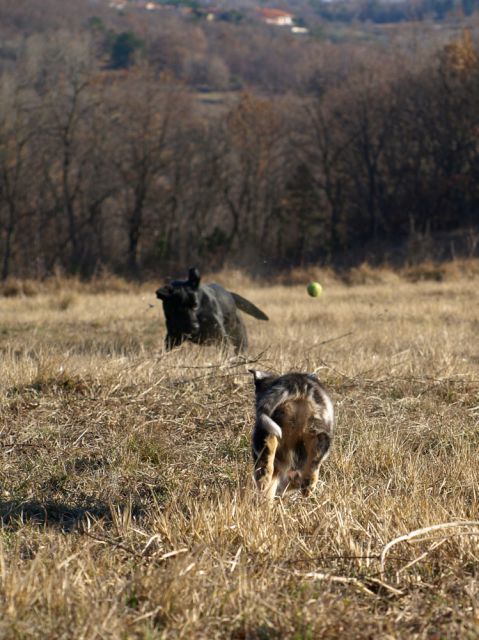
(204, 314)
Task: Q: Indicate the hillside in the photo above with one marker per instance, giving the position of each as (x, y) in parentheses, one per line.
(142, 141)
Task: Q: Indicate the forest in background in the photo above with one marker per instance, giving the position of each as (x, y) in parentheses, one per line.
(141, 144)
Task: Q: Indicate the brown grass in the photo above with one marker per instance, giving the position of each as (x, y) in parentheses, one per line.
(126, 489)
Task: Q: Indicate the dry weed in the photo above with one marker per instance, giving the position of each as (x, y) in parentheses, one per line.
(14, 287)
(441, 271)
(126, 491)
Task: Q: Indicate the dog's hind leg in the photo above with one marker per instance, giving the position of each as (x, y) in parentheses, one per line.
(317, 446)
(237, 335)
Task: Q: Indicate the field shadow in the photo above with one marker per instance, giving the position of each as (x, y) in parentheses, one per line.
(59, 515)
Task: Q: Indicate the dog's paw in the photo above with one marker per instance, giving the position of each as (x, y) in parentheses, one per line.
(295, 479)
(307, 487)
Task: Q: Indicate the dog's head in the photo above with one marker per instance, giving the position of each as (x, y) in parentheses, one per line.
(262, 380)
(181, 301)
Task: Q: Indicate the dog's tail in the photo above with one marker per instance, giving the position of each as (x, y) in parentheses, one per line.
(248, 307)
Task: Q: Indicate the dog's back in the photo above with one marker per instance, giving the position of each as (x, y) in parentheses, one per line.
(219, 317)
(293, 431)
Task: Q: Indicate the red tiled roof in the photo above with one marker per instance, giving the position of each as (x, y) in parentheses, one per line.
(274, 13)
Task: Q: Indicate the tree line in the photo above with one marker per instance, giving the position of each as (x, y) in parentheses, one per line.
(127, 170)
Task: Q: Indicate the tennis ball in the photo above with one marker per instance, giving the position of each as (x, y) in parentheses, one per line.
(314, 289)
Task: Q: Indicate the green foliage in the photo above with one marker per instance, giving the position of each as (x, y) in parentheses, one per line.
(384, 12)
(468, 6)
(96, 24)
(124, 48)
(233, 16)
(193, 4)
(299, 22)
(441, 8)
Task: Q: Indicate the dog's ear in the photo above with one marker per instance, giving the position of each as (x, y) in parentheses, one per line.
(323, 444)
(259, 375)
(261, 380)
(194, 278)
(164, 292)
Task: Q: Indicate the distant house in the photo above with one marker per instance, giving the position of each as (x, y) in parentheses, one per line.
(276, 16)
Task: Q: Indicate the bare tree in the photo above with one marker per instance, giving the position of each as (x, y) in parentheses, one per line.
(147, 115)
(254, 172)
(17, 108)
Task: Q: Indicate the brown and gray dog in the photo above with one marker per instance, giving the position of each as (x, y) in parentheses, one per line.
(293, 431)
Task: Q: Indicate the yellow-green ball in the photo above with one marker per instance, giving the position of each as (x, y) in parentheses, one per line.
(314, 289)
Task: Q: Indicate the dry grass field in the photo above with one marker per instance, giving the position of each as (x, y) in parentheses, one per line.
(126, 496)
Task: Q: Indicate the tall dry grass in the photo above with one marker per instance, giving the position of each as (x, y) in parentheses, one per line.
(126, 496)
